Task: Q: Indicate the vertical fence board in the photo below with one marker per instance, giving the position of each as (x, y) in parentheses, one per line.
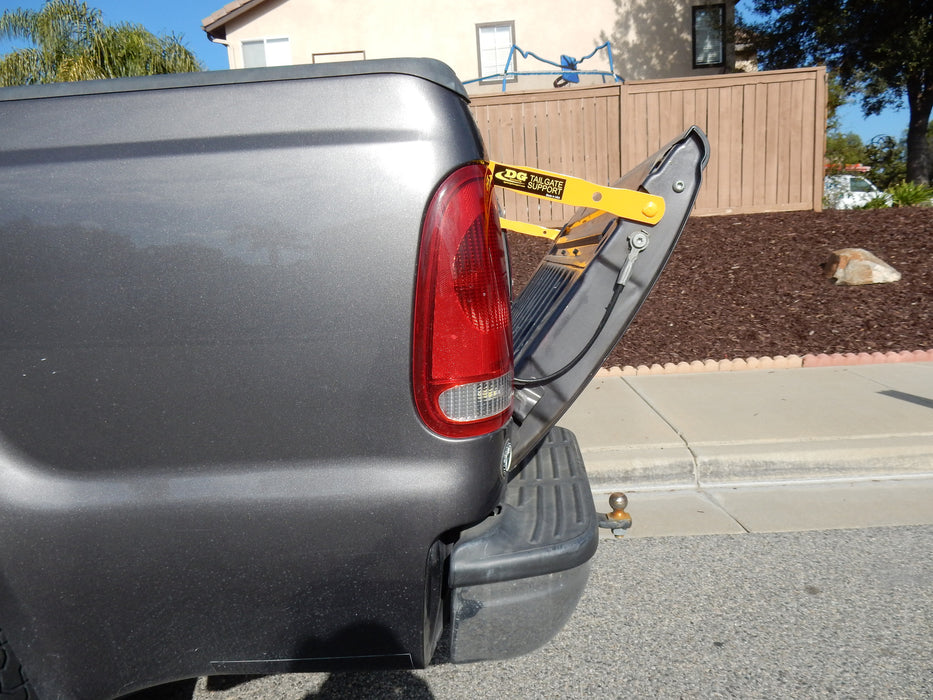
(784, 136)
(601, 140)
(590, 151)
(714, 130)
(795, 147)
(737, 98)
(506, 153)
(749, 127)
(760, 144)
(614, 147)
(554, 152)
(706, 201)
(772, 130)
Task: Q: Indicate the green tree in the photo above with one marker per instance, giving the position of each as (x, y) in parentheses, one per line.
(835, 99)
(885, 156)
(882, 51)
(842, 149)
(70, 41)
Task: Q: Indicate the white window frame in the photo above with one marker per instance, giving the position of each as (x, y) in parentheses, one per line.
(502, 51)
(709, 35)
(265, 41)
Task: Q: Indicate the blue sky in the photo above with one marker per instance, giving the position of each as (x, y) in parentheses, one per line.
(183, 17)
(890, 122)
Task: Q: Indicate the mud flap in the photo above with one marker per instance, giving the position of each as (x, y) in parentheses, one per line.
(589, 287)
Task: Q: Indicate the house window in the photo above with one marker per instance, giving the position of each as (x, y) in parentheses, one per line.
(708, 35)
(266, 52)
(493, 42)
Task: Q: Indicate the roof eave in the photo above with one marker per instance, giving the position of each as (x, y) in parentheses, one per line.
(214, 24)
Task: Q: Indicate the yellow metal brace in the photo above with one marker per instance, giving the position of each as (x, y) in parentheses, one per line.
(573, 191)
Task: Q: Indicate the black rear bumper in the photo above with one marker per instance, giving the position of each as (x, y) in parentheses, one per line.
(517, 576)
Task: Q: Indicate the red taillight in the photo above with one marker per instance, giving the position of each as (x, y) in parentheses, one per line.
(462, 337)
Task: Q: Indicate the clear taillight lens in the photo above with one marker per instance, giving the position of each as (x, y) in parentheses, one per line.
(462, 331)
(476, 401)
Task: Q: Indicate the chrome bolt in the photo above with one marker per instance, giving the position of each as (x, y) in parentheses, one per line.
(506, 459)
(639, 240)
(679, 186)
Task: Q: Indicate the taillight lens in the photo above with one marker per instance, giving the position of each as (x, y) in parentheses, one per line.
(462, 337)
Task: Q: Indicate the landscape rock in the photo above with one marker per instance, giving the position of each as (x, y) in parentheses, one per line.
(851, 266)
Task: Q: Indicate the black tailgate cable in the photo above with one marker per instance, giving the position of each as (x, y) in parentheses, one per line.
(637, 242)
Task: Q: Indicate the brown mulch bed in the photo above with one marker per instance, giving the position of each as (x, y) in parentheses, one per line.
(751, 286)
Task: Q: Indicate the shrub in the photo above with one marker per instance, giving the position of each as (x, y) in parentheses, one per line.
(879, 202)
(910, 194)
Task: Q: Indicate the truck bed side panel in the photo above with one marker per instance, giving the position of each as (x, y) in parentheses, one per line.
(209, 457)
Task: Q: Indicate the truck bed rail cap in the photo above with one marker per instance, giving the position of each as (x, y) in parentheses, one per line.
(426, 68)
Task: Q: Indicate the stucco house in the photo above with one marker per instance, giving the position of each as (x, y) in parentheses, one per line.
(649, 38)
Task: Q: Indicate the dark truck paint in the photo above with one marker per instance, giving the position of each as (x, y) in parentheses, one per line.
(210, 458)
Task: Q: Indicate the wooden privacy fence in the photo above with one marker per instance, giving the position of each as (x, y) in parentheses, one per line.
(766, 133)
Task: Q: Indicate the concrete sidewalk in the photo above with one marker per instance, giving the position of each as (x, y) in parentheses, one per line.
(733, 451)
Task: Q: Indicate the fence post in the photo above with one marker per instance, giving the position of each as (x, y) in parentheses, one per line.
(819, 147)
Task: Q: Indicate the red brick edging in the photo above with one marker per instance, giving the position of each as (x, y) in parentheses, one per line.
(776, 362)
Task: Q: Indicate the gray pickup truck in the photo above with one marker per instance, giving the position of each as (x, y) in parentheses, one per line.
(266, 401)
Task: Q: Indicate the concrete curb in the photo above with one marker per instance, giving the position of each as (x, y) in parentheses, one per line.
(721, 428)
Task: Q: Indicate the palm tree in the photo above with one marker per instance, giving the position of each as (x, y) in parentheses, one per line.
(70, 41)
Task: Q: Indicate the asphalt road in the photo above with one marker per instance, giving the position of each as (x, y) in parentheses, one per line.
(837, 613)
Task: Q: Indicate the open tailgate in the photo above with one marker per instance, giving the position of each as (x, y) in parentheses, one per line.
(589, 287)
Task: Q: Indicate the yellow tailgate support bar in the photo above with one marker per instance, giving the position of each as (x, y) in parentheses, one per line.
(529, 229)
(573, 191)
